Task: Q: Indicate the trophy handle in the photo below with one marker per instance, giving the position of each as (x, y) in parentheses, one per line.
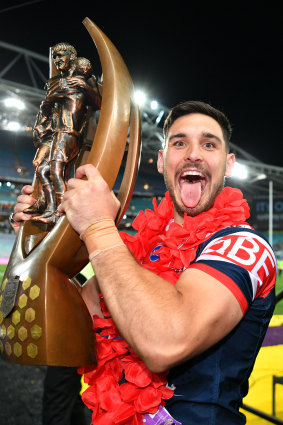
(132, 164)
(106, 154)
(43, 319)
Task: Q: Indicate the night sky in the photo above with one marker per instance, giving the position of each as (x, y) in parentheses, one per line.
(229, 55)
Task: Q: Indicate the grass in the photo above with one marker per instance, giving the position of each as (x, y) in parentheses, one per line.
(2, 271)
(279, 288)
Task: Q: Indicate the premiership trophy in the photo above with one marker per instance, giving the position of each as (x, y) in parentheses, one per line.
(43, 319)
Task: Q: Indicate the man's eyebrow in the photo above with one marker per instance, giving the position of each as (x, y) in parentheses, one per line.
(204, 134)
(211, 136)
(177, 136)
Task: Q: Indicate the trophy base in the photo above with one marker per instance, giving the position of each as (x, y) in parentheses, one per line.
(45, 323)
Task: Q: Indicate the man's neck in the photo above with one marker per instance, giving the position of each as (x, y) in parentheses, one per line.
(178, 218)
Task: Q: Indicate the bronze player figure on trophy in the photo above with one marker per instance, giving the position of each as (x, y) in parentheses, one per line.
(59, 127)
(43, 319)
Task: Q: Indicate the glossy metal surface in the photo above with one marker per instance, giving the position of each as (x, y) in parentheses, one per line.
(49, 323)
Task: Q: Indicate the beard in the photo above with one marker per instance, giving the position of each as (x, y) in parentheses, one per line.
(181, 209)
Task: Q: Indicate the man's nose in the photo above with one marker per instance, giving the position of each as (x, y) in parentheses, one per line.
(193, 152)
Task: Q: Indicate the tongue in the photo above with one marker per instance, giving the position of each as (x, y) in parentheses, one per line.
(191, 194)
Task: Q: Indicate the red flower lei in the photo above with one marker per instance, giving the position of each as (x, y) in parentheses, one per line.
(121, 388)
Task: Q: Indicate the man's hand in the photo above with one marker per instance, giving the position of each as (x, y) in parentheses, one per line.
(24, 201)
(88, 200)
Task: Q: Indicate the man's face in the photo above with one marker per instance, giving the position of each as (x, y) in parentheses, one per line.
(62, 60)
(194, 163)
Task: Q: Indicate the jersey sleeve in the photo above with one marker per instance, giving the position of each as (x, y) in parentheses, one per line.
(244, 262)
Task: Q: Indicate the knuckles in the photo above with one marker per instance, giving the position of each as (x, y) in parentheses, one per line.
(25, 199)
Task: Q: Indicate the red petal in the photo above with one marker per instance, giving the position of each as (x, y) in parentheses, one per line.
(89, 397)
(116, 369)
(138, 374)
(124, 414)
(103, 419)
(166, 392)
(129, 392)
(159, 379)
(148, 400)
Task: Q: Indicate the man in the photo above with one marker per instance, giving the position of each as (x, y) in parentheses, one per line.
(192, 293)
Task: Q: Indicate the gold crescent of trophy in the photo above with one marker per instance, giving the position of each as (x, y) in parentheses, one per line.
(43, 319)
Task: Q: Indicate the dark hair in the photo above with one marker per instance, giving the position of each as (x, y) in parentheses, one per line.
(194, 106)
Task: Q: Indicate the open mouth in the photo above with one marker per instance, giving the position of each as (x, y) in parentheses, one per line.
(192, 184)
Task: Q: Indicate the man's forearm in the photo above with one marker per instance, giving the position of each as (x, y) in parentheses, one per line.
(140, 302)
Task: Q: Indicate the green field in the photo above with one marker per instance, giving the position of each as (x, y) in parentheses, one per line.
(2, 270)
(279, 288)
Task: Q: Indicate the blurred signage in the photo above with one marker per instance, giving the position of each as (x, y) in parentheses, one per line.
(260, 213)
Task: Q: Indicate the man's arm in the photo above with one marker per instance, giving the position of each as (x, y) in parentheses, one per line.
(164, 324)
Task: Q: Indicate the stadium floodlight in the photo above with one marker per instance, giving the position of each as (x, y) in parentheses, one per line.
(14, 102)
(259, 177)
(13, 126)
(154, 105)
(240, 171)
(139, 97)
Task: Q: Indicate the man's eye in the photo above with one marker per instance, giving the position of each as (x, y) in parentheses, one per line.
(209, 145)
(178, 143)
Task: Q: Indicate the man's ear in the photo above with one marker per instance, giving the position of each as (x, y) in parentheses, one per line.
(160, 161)
(230, 161)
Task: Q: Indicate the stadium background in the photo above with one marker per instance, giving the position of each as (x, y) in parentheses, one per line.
(21, 386)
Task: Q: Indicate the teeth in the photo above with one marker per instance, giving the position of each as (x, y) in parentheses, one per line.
(192, 173)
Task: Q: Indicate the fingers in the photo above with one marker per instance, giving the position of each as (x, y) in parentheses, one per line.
(23, 201)
(89, 171)
(61, 209)
(20, 216)
(86, 175)
(27, 190)
(88, 197)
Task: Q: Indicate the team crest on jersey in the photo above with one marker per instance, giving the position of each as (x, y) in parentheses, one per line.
(153, 256)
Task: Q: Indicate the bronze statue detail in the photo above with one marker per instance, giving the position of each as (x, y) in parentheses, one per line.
(43, 319)
(59, 127)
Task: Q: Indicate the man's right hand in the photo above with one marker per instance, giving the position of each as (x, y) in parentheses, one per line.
(24, 201)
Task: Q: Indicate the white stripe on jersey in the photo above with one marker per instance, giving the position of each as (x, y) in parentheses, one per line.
(243, 235)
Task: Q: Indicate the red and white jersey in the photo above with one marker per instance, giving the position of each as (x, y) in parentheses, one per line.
(216, 381)
(242, 260)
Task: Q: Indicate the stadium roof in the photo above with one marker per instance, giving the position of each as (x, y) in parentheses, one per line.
(26, 88)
